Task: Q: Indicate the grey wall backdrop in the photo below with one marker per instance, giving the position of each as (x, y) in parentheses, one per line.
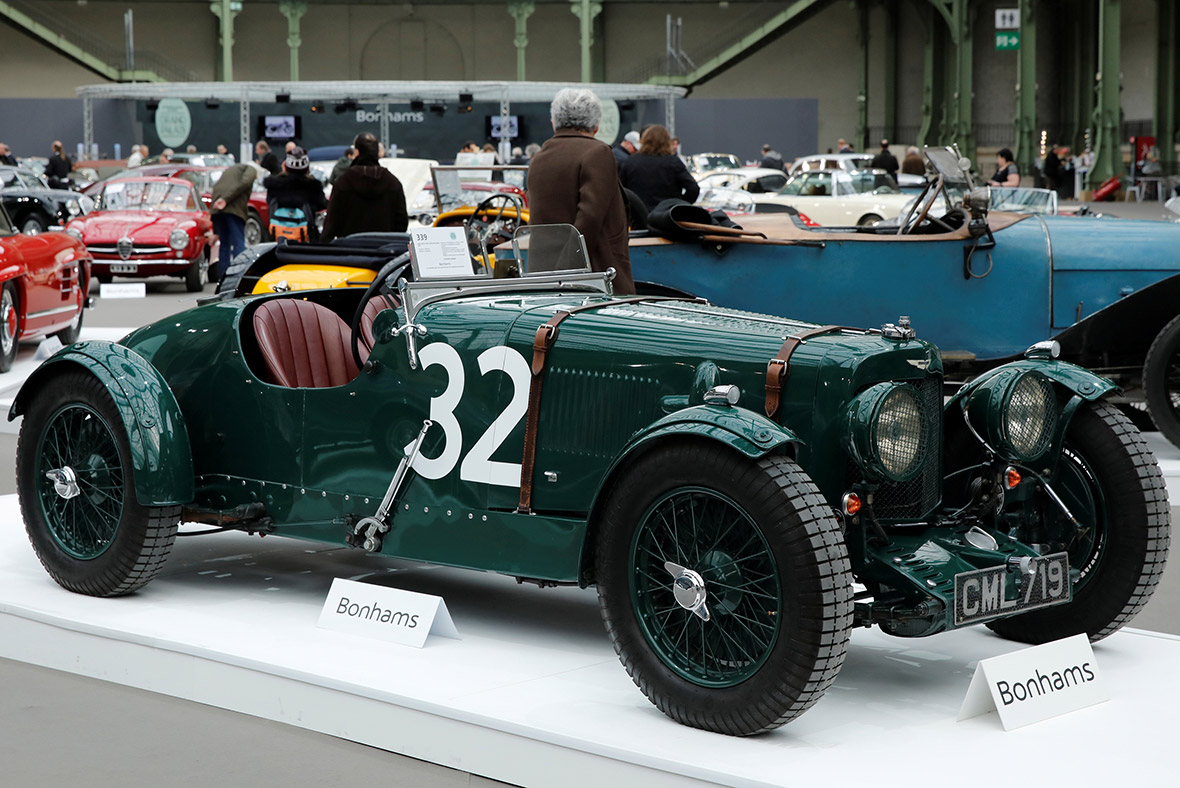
(30, 125)
(742, 126)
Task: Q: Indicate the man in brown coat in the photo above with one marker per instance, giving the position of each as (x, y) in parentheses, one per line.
(573, 180)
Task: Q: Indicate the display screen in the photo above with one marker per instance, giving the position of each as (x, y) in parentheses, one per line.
(494, 130)
(279, 127)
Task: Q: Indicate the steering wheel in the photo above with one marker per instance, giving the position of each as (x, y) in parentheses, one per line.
(926, 199)
(483, 231)
(395, 269)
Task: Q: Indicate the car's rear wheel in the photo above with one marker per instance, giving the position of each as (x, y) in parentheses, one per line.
(9, 325)
(1111, 484)
(869, 220)
(69, 335)
(253, 231)
(197, 275)
(757, 545)
(33, 225)
(1161, 381)
(77, 492)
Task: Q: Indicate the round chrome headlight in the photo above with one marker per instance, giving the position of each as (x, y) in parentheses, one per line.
(1016, 412)
(75, 232)
(73, 208)
(178, 239)
(888, 431)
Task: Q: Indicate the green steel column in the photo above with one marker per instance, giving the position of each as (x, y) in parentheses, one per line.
(521, 10)
(1165, 85)
(585, 11)
(961, 126)
(933, 79)
(890, 70)
(294, 11)
(1078, 65)
(1108, 154)
(862, 93)
(225, 11)
(1027, 145)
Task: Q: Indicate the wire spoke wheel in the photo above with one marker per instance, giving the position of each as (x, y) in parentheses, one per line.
(707, 532)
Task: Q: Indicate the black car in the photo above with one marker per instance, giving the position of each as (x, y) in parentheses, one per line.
(33, 206)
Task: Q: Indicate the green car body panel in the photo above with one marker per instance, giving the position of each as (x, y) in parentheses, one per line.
(156, 433)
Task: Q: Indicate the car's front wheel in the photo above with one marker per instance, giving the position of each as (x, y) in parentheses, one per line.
(253, 231)
(725, 586)
(33, 225)
(1118, 542)
(9, 325)
(1161, 381)
(77, 492)
(197, 275)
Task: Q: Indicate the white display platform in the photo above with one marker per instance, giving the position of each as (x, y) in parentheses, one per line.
(533, 694)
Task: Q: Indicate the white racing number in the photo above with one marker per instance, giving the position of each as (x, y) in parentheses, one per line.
(478, 465)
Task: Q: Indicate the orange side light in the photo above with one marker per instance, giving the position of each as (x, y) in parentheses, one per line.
(851, 503)
(1011, 477)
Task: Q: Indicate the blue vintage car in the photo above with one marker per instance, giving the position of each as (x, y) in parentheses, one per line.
(983, 285)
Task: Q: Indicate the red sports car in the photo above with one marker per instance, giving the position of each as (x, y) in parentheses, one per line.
(43, 284)
(146, 226)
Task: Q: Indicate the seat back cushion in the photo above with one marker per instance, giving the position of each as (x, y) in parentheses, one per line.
(375, 306)
(304, 344)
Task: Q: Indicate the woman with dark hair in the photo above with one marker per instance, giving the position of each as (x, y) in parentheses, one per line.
(1006, 172)
(655, 172)
(57, 169)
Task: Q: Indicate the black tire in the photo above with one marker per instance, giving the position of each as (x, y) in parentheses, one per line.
(197, 274)
(1122, 545)
(254, 232)
(10, 324)
(124, 544)
(869, 220)
(793, 651)
(33, 225)
(1161, 381)
(69, 335)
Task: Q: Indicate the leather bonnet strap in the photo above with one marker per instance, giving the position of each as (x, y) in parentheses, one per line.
(779, 367)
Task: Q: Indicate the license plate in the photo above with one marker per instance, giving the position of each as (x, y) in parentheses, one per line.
(124, 268)
(984, 594)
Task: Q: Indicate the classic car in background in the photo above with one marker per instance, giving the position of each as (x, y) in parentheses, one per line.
(32, 206)
(721, 486)
(79, 177)
(703, 163)
(146, 226)
(836, 197)
(425, 209)
(1022, 199)
(756, 180)
(44, 279)
(194, 159)
(982, 284)
(849, 162)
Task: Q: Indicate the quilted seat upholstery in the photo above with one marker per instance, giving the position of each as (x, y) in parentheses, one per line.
(372, 309)
(304, 344)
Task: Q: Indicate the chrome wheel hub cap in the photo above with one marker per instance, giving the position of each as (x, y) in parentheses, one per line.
(65, 482)
(688, 588)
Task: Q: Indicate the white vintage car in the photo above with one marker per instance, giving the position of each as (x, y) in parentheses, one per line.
(756, 180)
(839, 198)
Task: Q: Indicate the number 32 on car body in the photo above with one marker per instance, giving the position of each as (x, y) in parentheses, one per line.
(478, 465)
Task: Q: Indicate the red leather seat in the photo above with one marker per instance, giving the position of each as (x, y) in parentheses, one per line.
(375, 306)
(304, 344)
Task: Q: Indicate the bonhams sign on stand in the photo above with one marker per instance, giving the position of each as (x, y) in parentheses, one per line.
(385, 613)
(1036, 683)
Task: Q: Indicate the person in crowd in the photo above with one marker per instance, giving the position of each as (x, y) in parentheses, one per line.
(1006, 172)
(342, 164)
(366, 198)
(166, 156)
(222, 150)
(1052, 169)
(627, 146)
(136, 157)
(490, 148)
(679, 153)
(518, 157)
(6, 156)
(290, 146)
(655, 173)
(231, 198)
(266, 157)
(573, 179)
(842, 146)
(190, 148)
(380, 150)
(295, 188)
(531, 150)
(58, 168)
(886, 160)
(771, 159)
(913, 164)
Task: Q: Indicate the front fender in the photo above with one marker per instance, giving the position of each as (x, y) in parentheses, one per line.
(160, 451)
(740, 429)
(1079, 380)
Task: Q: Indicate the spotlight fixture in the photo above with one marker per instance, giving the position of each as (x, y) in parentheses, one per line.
(417, 105)
(212, 103)
(465, 100)
(347, 105)
(317, 106)
(152, 105)
(438, 109)
(282, 98)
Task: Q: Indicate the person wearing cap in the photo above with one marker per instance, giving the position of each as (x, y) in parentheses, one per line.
(231, 198)
(295, 188)
(627, 146)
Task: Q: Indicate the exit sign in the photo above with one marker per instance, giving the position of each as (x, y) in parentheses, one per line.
(1009, 40)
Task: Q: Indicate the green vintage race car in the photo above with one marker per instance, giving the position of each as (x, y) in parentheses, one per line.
(742, 489)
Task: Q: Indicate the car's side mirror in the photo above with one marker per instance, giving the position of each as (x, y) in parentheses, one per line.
(385, 325)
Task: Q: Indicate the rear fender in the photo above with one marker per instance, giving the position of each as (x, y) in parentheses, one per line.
(742, 430)
(160, 451)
